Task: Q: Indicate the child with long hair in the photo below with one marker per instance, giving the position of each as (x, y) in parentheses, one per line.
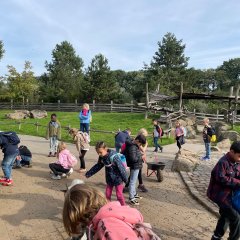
(179, 134)
(64, 165)
(82, 144)
(85, 117)
(86, 210)
(115, 171)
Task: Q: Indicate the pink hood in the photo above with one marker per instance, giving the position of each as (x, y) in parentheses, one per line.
(65, 159)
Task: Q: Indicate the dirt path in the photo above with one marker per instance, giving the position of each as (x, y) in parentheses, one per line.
(31, 209)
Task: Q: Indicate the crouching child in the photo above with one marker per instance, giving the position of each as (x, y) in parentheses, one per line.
(24, 158)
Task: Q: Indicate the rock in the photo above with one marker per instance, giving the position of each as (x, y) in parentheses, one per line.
(191, 133)
(187, 161)
(183, 123)
(38, 114)
(215, 149)
(18, 114)
(191, 121)
(224, 144)
(199, 128)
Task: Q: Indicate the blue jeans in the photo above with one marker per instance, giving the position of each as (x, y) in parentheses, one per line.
(208, 149)
(132, 183)
(53, 144)
(7, 164)
(156, 144)
(118, 147)
(84, 127)
(25, 160)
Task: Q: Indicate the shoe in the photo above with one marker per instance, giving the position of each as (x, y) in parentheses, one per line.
(142, 188)
(50, 154)
(134, 202)
(16, 166)
(125, 189)
(55, 154)
(137, 197)
(215, 238)
(2, 180)
(28, 166)
(81, 170)
(7, 182)
(69, 172)
(161, 150)
(205, 159)
(155, 151)
(56, 177)
(64, 175)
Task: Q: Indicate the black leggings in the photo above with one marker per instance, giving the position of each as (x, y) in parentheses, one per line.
(139, 178)
(58, 169)
(178, 142)
(82, 161)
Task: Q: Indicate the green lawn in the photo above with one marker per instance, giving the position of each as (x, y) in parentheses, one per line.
(101, 121)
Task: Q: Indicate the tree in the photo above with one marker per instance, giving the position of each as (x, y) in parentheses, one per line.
(2, 51)
(99, 81)
(65, 74)
(22, 85)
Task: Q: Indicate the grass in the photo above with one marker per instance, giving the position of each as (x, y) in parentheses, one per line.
(101, 121)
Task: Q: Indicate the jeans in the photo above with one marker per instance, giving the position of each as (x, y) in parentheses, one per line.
(156, 144)
(229, 217)
(208, 149)
(84, 127)
(58, 169)
(132, 183)
(82, 161)
(119, 193)
(7, 164)
(53, 144)
(25, 160)
(118, 147)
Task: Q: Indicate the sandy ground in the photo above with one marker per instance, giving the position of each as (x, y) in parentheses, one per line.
(31, 208)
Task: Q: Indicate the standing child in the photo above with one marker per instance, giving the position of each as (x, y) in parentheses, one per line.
(225, 179)
(179, 134)
(115, 171)
(121, 138)
(82, 143)
(54, 134)
(85, 117)
(134, 161)
(207, 134)
(157, 134)
(64, 165)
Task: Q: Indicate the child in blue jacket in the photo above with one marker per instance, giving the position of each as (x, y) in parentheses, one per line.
(85, 117)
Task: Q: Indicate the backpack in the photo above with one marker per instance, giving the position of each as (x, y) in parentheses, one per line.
(85, 136)
(214, 137)
(12, 137)
(121, 157)
(236, 200)
(160, 131)
(72, 160)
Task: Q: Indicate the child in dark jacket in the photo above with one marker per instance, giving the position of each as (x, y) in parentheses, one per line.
(24, 158)
(114, 169)
(134, 161)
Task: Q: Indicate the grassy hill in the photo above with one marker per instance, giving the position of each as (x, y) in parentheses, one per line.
(101, 121)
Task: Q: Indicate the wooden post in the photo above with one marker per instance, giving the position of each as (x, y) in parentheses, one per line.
(147, 101)
(231, 92)
(194, 111)
(180, 98)
(131, 106)
(23, 102)
(111, 106)
(27, 103)
(94, 105)
(11, 104)
(158, 88)
(59, 102)
(37, 127)
(41, 104)
(217, 114)
(76, 105)
(235, 108)
(19, 126)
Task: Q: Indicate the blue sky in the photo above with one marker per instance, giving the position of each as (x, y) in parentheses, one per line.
(126, 32)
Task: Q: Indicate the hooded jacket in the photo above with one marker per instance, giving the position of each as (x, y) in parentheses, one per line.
(66, 159)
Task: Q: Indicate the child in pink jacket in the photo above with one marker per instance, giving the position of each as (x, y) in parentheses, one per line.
(64, 165)
(86, 211)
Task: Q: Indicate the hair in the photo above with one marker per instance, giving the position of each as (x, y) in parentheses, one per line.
(206, 120)
(141, 139)
(73, 131)
(235, 146)
(61, 146)
(155, 120)
(53, 115)
(100, 144)
(85, 105)
(128, 130)
(178, 122)
(81, 204)
(143, 131)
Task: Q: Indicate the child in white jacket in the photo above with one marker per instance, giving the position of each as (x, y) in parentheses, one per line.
(64, 165)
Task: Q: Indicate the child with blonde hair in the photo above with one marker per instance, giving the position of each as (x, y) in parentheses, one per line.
(64, 165)
(179, 135)
(82, 144)
(87, 211)
(85, 117)
(115, 171)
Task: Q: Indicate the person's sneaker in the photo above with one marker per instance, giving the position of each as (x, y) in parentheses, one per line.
(155, 151)
(16, 166)
(50, 154)
(7, 182)
(2, 180)
(64, 175)
(215, 238)
(205, 159)
(142, 188)
(161, 149)
(56, 177)
(125, 190)
(134, 201)
(82, 170)
(137, 197)
(55, 154)
(70, 172)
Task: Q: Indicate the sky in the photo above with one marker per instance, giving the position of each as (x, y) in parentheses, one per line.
(126, 32)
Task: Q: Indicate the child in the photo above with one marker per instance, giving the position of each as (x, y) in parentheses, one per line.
(82, 143)
(85, 117)
(207, 134)
(143, 149)
(157, 134)
(115, 171)
(86, 211)
(225, 178)
(54, 133)
(134, 161)
(64, 165)
(179, 134)
(24, 158)
(121, 138)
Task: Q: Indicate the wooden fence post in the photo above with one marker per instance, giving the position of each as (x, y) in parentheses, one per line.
(76, 105)
(217, 114)
(131, 106)
(19, 126)
(147, 101)
(37, 128)
(111, 106)
(11, 104)
(59, 102)
(41, 104)
(93, 105)
(180, 98)
(27, 103)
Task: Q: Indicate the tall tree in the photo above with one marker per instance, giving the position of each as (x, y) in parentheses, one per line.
(65, 73)
(99, 81)
(2, 51)
(22, 85)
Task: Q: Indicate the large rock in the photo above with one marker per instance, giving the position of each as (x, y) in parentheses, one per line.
(231, 135)
(224, 144)
(18, 115)
(191, 133)
(38, 114)
(187, 161)
(182, 122)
